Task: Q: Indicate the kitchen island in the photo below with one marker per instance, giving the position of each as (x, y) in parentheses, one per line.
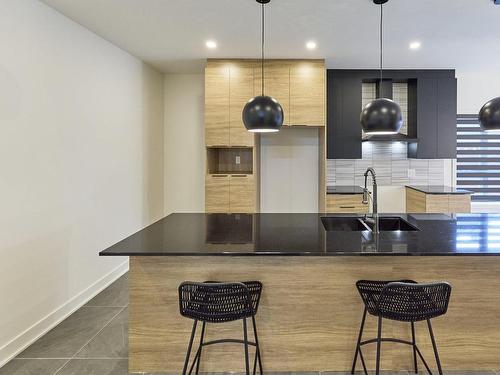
(310, 310)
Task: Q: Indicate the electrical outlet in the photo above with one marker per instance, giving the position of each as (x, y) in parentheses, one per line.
(238, 160)
(412, 173)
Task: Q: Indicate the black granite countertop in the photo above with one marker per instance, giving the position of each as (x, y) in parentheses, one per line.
(344, 189)
(431, 189)
(304, 235)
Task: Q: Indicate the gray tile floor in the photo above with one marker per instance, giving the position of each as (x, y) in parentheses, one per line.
(94, 341)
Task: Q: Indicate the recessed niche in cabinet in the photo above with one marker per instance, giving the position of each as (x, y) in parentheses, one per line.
(231, 160)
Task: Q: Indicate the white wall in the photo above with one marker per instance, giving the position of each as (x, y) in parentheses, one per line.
(289, 171)
(81, 161)
(184, 143)
(476, 87)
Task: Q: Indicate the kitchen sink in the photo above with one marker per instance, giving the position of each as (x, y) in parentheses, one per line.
(356, 224)
(344, 224)
(392, 224)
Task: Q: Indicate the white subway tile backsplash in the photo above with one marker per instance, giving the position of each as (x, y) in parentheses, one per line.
(400, 172)
(389, 159)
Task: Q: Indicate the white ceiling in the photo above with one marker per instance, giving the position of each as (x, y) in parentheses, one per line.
(171, 34)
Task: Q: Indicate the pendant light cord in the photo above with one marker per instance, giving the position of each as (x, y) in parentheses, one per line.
(262, 52)
(381, 40)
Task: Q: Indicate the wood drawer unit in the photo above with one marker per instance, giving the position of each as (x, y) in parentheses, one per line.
(346, 203)
(420, 202)
(217, 193)
(242, 193)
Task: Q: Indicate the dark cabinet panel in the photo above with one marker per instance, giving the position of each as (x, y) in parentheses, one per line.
(432, 111)
(427, 109)
(447, 119)
(344, 109)
(436, 119)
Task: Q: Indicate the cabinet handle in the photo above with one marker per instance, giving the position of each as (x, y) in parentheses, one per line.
(238, 175)
(347, 207)
(219, 175)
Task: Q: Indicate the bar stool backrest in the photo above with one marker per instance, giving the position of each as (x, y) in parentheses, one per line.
(217, 302)
(413, 302)
(370, 291)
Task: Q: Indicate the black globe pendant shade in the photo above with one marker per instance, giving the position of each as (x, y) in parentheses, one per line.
(489, 116)
(263, 114)
(381, 116)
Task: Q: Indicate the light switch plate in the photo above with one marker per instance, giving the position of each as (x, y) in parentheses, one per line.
(238, 160)
(412, 173)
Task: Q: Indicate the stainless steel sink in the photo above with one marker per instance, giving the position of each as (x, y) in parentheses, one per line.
(393, 224)
(356, 224)
(344, 224)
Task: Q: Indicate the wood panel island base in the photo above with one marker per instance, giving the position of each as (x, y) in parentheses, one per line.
(310, 311)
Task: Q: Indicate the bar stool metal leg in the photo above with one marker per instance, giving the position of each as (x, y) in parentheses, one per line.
(379, 344)
(188, 354)
(434, 346)
(414, 347)
(358, 347)
(201, 347)
(245, 340)
(257, 348)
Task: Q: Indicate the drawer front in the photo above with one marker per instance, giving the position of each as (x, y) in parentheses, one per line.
(459, 203)
(217, 193)
(346, 203)
(415, 201)
(242, 194)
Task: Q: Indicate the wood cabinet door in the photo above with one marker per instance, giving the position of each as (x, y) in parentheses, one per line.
(242, 193)
(241, 90)
(459, 203)
(217, 106)
(437, 204)
(217, 193)
(307, 94)
(276, 84)
(415, 201)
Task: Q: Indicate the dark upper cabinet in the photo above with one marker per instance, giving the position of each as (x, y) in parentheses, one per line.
(344, 108)
(432, 111)
(436, 118)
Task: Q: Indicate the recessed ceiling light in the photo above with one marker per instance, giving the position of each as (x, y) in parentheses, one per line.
(415, 45)
(311, 45)
(211, 44)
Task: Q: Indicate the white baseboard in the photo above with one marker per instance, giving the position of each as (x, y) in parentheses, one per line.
(33, 333)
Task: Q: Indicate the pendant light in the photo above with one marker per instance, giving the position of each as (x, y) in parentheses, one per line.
(263, 114)
(489, 116)
(382, 115)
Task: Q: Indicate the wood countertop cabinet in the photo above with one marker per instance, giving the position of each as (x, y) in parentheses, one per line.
(420, 202)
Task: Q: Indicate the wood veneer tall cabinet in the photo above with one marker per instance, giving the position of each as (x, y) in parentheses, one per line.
(299, 86)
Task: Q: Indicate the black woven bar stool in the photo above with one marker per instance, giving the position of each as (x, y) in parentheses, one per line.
(404, 301)
(213, 302)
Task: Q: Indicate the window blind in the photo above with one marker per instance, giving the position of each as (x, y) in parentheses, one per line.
(478, 160)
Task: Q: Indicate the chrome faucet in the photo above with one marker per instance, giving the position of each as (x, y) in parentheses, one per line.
(366, 196)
